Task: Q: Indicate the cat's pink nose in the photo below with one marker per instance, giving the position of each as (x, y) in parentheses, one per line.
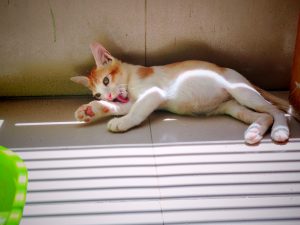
(109, 96)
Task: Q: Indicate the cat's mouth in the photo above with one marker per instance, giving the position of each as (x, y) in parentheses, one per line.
(121, 95)
(121, 98)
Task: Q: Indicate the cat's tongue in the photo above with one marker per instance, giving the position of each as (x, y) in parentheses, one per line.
(120, 98)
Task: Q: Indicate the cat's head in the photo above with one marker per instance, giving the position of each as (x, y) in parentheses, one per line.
(106, 81)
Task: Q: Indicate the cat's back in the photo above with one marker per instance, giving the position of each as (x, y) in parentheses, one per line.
(202, 71)
(171, 72)
(179, 68)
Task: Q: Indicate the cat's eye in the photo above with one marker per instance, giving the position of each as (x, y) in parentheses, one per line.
(105, 81)
(97, 96)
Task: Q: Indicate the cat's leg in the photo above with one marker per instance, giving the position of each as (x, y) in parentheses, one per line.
(260, 122)
(246, 95)
(99, 109)
(140, 110)
(253, 100)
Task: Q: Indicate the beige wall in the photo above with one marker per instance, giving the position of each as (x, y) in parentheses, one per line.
(45, 42)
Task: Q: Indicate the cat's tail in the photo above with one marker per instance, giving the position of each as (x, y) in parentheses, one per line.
(281, 104)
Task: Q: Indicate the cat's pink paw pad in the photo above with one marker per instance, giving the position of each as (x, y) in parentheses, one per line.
(85, 113)
(89, 111)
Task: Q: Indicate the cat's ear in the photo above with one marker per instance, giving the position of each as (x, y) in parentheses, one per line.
(81, 80)
(101, 55)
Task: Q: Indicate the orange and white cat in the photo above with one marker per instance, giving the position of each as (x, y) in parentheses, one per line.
(189, 88)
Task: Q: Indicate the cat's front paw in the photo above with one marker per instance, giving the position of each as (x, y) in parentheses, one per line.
(88, 112)
(120, 124)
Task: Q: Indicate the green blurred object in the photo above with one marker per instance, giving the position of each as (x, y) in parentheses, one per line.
(13, 187)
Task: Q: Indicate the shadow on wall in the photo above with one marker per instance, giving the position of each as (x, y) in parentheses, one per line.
(53, 78)
(259, 70)
(43, 79)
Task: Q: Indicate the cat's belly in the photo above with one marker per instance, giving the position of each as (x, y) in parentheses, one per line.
(196, 104)
(195, 96)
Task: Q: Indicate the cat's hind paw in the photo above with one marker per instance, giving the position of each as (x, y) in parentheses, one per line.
(280, 134)
(252, 135)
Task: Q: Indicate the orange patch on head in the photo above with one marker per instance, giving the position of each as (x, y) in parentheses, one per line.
(144, 72)
(114, 71)
(97, 74)
(93, 76)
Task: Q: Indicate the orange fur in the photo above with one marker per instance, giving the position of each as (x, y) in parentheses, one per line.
(105, 110)
(93, 76)
(145, 72)
(192, 64)
(97, 74)
(115, 69)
